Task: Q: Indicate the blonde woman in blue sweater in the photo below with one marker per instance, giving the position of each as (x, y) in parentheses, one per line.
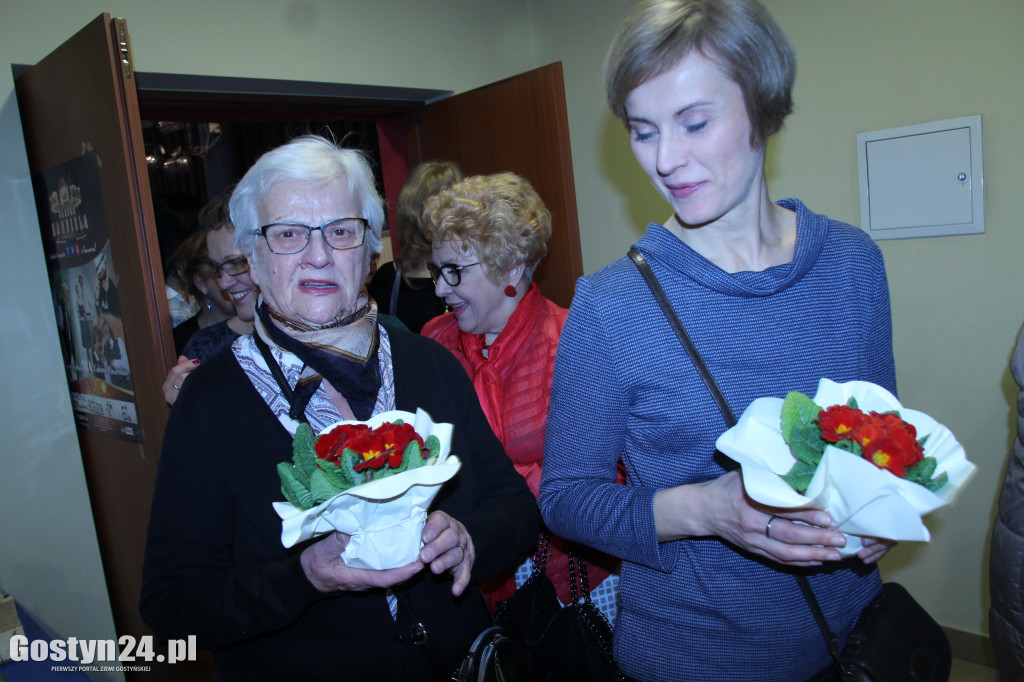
(774, 297)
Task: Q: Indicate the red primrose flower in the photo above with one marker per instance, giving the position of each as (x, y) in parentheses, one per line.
(885, 439)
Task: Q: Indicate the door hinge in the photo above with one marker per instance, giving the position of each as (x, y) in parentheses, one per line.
(124, 48)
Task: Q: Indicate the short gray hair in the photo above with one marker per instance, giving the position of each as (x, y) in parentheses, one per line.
(310, 158)
(739, 35)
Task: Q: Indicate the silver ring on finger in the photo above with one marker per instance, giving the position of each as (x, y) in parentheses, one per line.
(768, 527)
(176, 387)
(462, 552)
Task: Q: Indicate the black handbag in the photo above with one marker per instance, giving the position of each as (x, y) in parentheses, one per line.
(489, 659)
(894, 640)
(553, 642)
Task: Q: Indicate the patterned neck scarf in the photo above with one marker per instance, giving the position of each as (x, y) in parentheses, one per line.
(343, 351)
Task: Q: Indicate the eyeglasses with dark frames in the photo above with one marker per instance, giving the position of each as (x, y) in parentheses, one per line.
(340, 234)
(449, 272)
(232, 266)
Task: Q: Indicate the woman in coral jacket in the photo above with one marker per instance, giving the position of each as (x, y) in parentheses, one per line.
(489, 233)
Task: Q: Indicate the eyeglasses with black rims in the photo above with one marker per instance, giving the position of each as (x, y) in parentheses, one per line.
(232, 266)
(341, 234)
(449, 272)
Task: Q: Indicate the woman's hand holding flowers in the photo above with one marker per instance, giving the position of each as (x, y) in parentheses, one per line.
(854, 451)
(721, 508)
(326, 570)
(874, 549)
(447, 546)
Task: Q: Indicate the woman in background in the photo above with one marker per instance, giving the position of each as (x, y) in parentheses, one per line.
(489, 233)
(708, 591)
(213, 304)
(403, 288)
(228, 268)
(176, 215)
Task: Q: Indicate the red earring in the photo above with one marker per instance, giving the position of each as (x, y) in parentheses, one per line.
(510, 291)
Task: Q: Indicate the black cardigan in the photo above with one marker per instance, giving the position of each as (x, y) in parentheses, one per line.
(215, 566)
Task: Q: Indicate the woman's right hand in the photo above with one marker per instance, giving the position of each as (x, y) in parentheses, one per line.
(721, 508)
(326, 570)
(172, 384)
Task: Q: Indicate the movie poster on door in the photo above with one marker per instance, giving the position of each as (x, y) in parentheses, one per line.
(84, 284)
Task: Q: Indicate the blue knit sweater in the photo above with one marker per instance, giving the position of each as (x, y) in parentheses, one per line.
(699, 609)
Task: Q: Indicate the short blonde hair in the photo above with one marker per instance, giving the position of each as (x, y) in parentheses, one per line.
(500, 216)
(424, 181)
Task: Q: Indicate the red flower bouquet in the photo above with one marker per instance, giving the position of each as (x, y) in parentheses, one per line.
(882, 438)
(371, 480)
(854, 451)
(350, 454)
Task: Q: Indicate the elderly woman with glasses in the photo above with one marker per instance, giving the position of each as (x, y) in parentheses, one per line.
(308, 218)
(489, 233)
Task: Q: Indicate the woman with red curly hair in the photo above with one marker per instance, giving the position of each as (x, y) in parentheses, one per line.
(489, 233)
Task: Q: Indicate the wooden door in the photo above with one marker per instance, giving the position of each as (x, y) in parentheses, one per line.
(78, 106)
(518, 124)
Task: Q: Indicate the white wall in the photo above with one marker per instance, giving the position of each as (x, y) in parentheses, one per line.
(864, 65)
(956, 301)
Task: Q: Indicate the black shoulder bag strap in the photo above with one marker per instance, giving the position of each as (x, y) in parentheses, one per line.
(395, 287)
(730, 419)
(684, 338)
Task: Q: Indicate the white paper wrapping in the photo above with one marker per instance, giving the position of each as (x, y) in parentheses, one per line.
(862, 499)
(385, 517)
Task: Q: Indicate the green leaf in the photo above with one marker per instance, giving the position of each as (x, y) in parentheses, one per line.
(304, 453)
(433, 444)
(349, 459)
(372, 473)
(852, 402)
(799, 430)
(799, 477)
(321, 488)
(921, 473)
(411, 457)
(937, 483)
(850, 446)
(293, 490)
(342, 475)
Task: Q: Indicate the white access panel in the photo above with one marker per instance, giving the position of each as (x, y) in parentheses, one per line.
(923, 180)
